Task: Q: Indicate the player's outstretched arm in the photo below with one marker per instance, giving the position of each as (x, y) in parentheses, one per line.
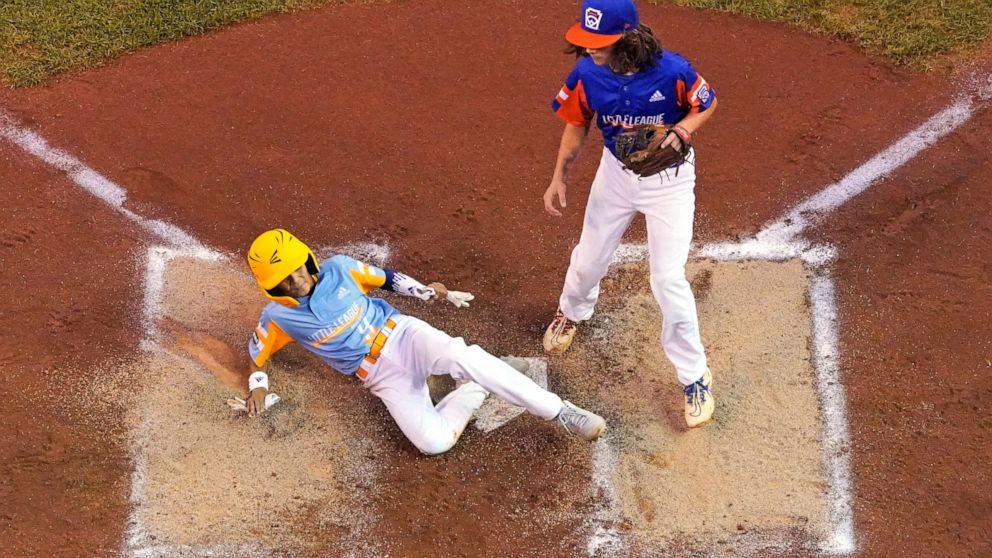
(403, 284)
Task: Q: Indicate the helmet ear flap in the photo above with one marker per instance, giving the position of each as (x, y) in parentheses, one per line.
(312, 264)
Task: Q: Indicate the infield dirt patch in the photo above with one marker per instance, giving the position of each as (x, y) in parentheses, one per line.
(752, 479)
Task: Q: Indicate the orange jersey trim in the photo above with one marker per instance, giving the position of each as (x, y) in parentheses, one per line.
(691, 98)
(680, 96)
(271, 343)
(574, 108)
(366, 278)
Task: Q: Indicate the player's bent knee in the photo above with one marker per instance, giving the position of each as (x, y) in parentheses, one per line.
(436, 445)
(456, 360)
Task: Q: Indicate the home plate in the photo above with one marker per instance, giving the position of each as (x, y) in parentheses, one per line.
(495, 412)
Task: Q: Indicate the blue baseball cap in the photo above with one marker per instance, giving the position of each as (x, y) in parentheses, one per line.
(602, 23)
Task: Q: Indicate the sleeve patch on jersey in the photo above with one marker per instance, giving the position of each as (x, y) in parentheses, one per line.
(703, 94)
(700, 95)
(563, 95)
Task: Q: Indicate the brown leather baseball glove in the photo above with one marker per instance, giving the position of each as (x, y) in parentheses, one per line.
(641, 152)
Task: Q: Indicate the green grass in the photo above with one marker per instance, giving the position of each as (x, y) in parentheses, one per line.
(40, 38)
(912, 32)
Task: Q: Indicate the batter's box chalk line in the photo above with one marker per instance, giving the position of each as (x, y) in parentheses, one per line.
(604, 538)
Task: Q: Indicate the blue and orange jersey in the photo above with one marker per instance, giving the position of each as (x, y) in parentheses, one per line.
(660, 95)
(337, 322)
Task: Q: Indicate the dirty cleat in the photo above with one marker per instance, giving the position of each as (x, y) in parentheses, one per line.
(584, 424)
(699, 401)
(559, 334)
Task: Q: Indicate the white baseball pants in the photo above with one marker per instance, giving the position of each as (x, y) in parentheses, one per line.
(416, 350)
(668, 204)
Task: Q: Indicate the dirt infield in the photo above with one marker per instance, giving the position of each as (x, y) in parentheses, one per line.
(754, 480)
(436, 139)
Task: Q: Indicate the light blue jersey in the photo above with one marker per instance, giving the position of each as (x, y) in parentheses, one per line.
(337, 322)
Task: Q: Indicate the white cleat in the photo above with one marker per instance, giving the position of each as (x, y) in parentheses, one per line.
(580, 422)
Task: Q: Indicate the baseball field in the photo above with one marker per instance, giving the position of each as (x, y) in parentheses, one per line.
(840, 264)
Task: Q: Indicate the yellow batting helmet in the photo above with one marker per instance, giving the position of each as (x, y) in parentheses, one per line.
(274, 256)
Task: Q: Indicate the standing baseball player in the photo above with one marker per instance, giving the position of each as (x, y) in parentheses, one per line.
(326, 309)
(627, 83)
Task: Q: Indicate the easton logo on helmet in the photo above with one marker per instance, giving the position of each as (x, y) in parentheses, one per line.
(275, 257)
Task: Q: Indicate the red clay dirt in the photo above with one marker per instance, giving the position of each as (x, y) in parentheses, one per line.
(427, 126)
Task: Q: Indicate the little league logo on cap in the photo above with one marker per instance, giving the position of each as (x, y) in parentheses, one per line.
(602, 23)
(593, 17)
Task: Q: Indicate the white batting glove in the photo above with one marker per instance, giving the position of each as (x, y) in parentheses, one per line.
(459, 299)
(239, 405)
(424, 293)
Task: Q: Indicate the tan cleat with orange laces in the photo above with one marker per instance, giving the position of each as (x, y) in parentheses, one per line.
(559, 334)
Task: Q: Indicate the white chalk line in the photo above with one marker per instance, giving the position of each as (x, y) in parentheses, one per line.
(837, 444)
(137, 540)
(368, 252)
(605, 539)
(180, 244)
(780, 240)
(104, 189)
(139, 543)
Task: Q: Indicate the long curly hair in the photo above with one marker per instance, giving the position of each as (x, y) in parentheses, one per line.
(636, 50)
